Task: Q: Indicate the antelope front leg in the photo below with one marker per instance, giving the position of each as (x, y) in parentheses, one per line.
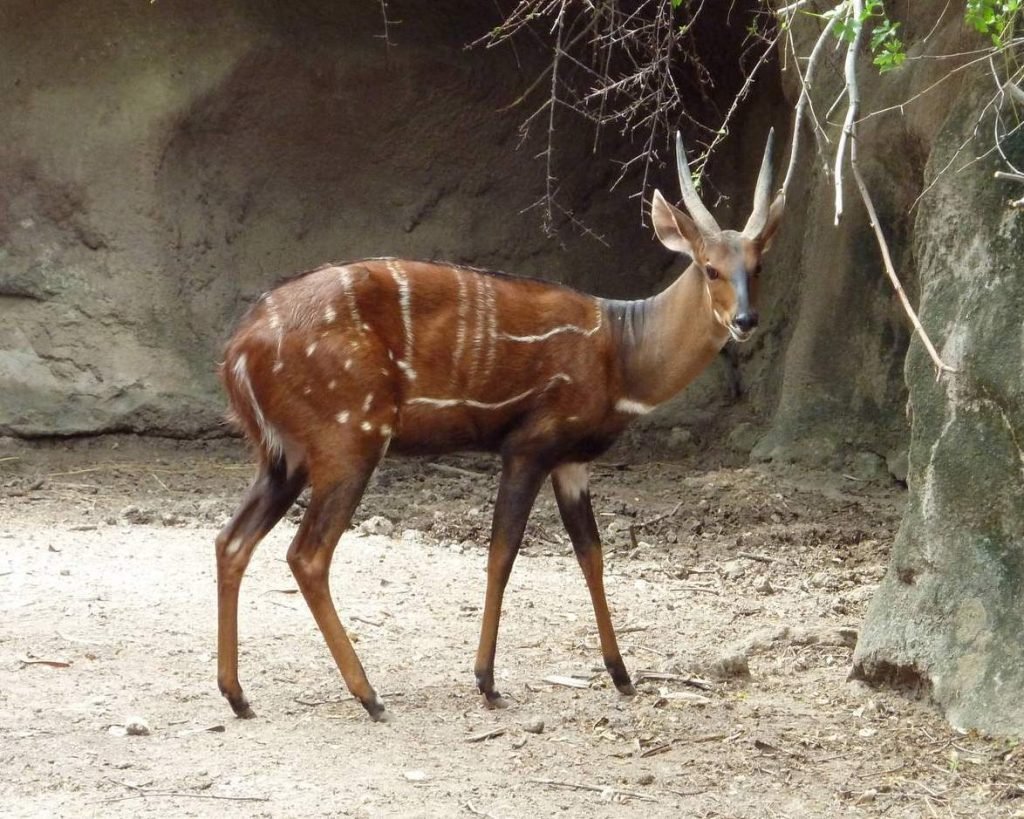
(572, 492)
(270, 496)
(517, 490)
(331, 505)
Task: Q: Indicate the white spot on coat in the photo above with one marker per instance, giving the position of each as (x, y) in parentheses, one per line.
(631, 407)
(343, 417)
(573, 479)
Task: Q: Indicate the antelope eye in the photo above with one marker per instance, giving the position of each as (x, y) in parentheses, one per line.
(712, 272)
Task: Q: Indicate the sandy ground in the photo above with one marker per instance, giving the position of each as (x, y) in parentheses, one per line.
(107, 625)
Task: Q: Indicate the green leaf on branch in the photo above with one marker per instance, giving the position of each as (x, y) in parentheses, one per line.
(996, 18)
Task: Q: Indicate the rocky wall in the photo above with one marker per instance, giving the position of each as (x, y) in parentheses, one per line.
(161, 164)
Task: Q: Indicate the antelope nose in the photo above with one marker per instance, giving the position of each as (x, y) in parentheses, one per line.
(747, 321)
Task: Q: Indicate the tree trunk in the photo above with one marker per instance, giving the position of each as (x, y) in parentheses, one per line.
(949, 615)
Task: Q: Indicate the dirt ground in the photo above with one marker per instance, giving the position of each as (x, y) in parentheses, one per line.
(109, 704)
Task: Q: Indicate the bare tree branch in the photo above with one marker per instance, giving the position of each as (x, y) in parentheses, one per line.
(853, 106)
(850, 134)
(804, 103)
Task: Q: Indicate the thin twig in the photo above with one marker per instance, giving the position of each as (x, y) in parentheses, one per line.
(890, 270)
(494, 732)
(575, 786)
(756, 557)
(656, 518)
(459, 471)
(188, 794)
(692, 587)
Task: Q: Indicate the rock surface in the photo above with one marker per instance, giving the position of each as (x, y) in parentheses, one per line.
(948, 619)
(165, 163)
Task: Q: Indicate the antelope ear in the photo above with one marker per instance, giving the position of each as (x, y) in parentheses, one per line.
(771, 225)
(674, 228)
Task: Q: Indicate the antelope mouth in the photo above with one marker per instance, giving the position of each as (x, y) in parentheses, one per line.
(738, 335)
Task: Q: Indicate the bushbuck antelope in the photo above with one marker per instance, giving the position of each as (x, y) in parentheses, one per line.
(338, 366)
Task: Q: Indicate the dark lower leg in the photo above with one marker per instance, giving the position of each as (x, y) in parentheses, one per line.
(329, 513)
(520, 481)
(592, 563)
(573, 498)
(268, 499)
(499, 567)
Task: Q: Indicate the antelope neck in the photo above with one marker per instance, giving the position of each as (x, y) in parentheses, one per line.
(666, 340)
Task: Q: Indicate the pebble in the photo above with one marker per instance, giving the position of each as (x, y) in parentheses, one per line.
(734, 569)
(534, 726)
(867, 797)
(136, 515)
(730, 666)
(377, 525)
(136, 727)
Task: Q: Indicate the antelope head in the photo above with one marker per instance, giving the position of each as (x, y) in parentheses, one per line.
(729, 261)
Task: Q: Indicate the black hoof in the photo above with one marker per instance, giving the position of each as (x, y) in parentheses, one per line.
(239, 704)
(241, 708)
(494, 701)
(617, 670)
(375, 708)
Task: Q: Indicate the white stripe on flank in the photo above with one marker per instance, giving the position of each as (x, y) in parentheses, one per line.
(329, 314)
(573, 478)
(554, 331)
(469, 402)
(267, 432)
(405, 304)
(368, 402)
(350, 300)
(632, 407)
(274, 320)
(492, 329)
(460, 334)
(478, 331)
